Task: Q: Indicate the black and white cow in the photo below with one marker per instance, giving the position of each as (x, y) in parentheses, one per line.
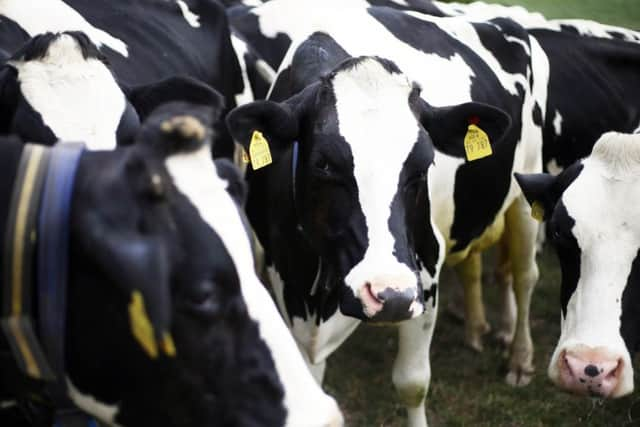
(162, 219)
(591, 213)
(335, 218)
(144, 41)
(58, 87)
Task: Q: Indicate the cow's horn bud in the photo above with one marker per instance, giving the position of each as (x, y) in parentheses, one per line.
(187, 127)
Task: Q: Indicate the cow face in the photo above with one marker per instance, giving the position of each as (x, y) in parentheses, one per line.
(361, 196)
(592, 220)
(58, 86)
(146, 220)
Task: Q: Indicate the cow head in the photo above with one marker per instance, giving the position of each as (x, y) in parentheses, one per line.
(592, 218)
(145, 231)
(59, 87)
(361, 195)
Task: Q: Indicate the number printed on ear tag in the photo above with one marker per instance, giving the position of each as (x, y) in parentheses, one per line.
(476, 143)
(259, 151)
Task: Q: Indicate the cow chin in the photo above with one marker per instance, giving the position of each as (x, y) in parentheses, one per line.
(398, 307)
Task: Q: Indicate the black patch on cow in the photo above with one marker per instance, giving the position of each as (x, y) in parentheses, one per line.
(630, 317)
(537, 114)
(568, 252)
(12, 36)
(509, 53)
(352, 63)
(431, 293)
(594, 86)
(259, 84)
(39, 45)
(472, 192)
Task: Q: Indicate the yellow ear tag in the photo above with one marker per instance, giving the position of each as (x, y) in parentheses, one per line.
(537, 211)
(259, 151)
(476, 143)
(141, 327)
(245, 157)
(167, 345)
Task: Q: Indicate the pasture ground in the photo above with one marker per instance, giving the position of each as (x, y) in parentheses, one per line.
(467, 388)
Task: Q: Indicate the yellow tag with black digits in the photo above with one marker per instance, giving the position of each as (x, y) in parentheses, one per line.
(141, 326)
(476, 143)
(259, 151)
(537, 211)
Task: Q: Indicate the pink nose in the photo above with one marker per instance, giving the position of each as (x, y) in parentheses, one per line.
(591, 372)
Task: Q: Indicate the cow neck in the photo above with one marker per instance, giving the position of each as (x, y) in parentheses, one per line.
(36, 256)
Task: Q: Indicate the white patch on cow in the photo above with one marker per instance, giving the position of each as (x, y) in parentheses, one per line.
(368, 98)
(601, 201)
(400, 2)
(194, 174)
(591, 28)
(56, 16)
(240, 48)
(637, 130)
(191, 18)
(557, 122)
(104, 412)
(78, 98)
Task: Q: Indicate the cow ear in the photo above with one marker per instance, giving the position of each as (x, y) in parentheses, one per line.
(448, 126)
(236, 186)
(8, 97)
(538, 190)
(146, 98)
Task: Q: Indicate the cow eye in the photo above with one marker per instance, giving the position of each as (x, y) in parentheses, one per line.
(204, 298)
(323, 166)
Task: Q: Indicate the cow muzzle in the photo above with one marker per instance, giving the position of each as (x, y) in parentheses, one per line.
(385, 298)
(588, 371)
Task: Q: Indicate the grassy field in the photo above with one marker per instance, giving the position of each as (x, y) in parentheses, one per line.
(467, 388)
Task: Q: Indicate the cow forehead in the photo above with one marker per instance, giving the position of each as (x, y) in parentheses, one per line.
(77, 97)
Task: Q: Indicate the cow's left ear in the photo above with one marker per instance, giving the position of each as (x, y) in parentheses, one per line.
(537, 189)
(236, 186)
(448, 126)
(146, 98)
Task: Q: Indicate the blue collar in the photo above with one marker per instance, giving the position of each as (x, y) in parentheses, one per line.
(38, 235)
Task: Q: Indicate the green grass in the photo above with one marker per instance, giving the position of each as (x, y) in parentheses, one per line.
(625, 13)
(467, 388)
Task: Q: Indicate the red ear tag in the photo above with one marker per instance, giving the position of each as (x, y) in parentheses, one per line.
(474, 120)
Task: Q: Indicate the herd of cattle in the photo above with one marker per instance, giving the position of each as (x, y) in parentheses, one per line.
(147, 281)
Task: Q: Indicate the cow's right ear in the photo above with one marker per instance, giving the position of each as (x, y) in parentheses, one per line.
(537, 189)
(8, 97)
(276, 121)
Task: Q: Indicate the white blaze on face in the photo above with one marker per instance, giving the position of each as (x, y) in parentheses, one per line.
(42, 16)
(194, 174)
(375, 120)
(602, 203)
(77, 98)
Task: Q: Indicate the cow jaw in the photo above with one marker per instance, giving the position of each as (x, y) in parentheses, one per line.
(375, 119)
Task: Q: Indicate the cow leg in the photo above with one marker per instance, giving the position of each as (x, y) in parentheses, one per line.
(504, 280)
(412, 369)
(521, 231)
(475, 325)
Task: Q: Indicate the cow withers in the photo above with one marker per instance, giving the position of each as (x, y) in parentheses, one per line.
(591, 213)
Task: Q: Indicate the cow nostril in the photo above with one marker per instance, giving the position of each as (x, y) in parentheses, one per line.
(591, 371)
(377, 297)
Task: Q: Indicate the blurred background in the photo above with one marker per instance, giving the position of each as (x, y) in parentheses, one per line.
(467, 388)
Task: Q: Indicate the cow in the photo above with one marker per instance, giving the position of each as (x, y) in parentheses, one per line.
(329, 209)
(166, 321)
(144, 41)
(58, 87)
(590, 210)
